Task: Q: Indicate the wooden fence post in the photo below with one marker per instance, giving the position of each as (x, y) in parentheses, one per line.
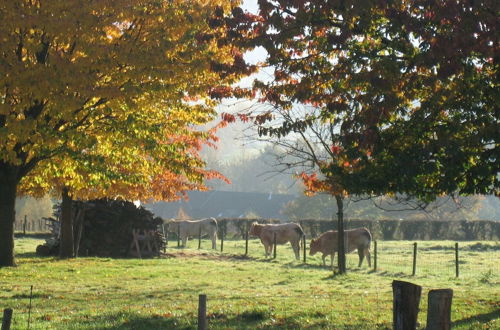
(29, 310)
(199, 239)
(414, 259)
(7, 318)
(274, 242)
(456, 260)
(439, 309)
(165, 237)
(304, 245)
(202, 312)
(246, 239)
(222, 238)
(375, 255)
(25, 224)
(178, 235)
(406, 298)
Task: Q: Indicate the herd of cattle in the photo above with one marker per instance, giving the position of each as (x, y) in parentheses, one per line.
(269, 234)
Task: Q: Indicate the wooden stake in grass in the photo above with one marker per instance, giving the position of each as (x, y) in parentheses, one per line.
(199, 239)
(7, 318)
(375, 255)
(178, 235)
(439, 309)
(202, 312)
(246, 241)
(405, 305)
(274, 241)
(456, 260)
(29, 310)
(304, 245)
(165, 237)
(414, 259)
(222, 238)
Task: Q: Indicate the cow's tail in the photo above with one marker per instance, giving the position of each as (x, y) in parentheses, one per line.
(301, 234)
(368, 235)
(213, 222)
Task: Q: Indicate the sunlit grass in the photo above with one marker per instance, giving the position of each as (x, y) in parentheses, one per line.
(244, 292)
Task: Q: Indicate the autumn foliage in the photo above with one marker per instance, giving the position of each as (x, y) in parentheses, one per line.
(409, 87)
(106, 98)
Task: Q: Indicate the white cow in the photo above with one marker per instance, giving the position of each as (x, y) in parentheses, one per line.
(194, 228)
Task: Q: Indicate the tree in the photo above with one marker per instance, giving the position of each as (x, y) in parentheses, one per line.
(80, 81)
(410, 85)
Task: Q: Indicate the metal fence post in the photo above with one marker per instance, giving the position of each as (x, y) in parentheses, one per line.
(456, 260)
(375, 255)
(414, 259)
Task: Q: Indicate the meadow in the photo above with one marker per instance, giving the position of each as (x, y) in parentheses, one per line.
(245, 292)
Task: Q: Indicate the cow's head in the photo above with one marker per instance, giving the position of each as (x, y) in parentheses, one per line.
(314, 247)
(254, 230)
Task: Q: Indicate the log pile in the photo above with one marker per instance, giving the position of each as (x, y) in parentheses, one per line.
(105, 228)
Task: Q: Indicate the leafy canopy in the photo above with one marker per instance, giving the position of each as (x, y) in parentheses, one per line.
(106, 97)
(410, 87)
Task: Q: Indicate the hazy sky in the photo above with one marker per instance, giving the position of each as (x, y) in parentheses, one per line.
(233, 144)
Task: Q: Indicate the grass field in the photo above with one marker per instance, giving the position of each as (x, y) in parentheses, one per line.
(245, 292)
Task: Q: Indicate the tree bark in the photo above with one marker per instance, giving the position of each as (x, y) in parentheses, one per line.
(8, 191)
(66, 249)
(340, 228)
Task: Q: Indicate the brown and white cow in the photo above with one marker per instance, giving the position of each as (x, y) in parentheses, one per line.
(327, 243)
(285, 232)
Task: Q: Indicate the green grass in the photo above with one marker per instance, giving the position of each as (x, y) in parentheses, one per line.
(245, 292)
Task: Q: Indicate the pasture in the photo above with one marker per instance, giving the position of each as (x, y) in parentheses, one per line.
(249, 292)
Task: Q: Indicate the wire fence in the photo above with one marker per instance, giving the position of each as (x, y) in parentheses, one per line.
(397, 258)
(26, 225)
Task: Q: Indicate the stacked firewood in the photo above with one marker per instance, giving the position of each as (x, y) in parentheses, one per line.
(105, 228)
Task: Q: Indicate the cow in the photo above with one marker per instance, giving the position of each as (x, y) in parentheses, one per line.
(327, 243)
(194, 228)
(285, 232)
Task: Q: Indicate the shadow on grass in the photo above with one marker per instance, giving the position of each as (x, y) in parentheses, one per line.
(481, 318)
(132, 321)
(29, 255)
(32, 235)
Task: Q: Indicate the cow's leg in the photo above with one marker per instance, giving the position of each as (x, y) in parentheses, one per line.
(361, 254)
(266, 249)
(324, 261)
(333, 257)
(368, 257)
(214, 240)
(270, 249)
(295, 246)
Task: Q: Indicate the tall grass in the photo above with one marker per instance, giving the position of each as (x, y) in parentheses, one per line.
(244, 292)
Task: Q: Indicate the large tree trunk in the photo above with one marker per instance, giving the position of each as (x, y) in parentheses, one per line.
(340, 227)
(66, 249)
(8, 191)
